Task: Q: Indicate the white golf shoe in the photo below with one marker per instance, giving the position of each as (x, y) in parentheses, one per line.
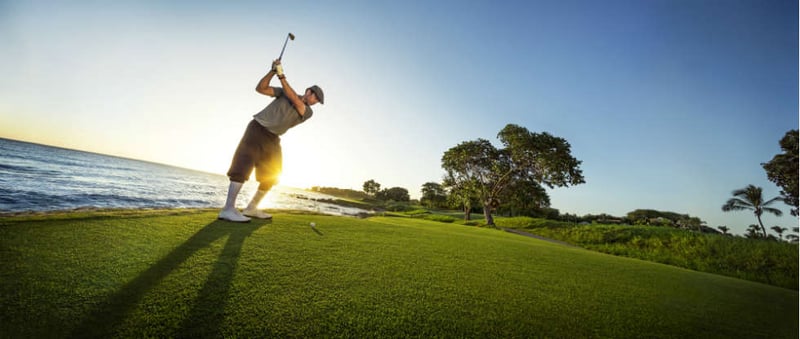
(256, 214)
(232, 215)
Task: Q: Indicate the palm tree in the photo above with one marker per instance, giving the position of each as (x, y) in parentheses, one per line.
(751, 199)
(779, 230)
(752, 232)
(724, 229)
(793, 237)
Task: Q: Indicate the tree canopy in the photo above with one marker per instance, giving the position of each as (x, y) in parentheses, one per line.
(478, 169)
(783, 169)
(371, 187)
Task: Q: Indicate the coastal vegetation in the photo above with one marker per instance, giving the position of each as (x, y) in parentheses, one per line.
(506, 185)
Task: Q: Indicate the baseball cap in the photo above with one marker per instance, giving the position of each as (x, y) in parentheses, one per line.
(318, 92)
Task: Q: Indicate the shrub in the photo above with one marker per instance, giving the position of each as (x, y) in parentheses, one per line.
(440, 218)
(770, 262)
(528, 222)
(417, 213)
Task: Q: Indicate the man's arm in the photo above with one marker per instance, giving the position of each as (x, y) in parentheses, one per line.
(298, 103)
(263, 85)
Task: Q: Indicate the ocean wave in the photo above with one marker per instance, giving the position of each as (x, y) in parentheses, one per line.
(42, 178)
(20, 201)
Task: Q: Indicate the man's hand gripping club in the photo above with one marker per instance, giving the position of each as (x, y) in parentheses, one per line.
(296, 101)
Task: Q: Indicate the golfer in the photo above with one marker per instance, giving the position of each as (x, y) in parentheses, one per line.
(260, 147)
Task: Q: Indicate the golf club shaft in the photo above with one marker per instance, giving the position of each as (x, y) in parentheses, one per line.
(284, 47)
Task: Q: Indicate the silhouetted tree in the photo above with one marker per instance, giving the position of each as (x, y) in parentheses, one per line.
(793, 237)
(753, 232)
(371, 187)
(751, 198)
(779, 230)
(783, 170)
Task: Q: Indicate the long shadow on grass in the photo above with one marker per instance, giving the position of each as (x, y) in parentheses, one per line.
(206, 312)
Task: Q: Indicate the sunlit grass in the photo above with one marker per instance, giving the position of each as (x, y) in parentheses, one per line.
(186, 274)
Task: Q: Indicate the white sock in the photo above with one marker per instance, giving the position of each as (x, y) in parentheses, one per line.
(233, 192)
(256, 199)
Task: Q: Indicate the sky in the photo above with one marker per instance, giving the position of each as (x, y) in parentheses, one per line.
(669, 104)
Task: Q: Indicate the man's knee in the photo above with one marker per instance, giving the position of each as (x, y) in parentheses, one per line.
(237, 176)
(265, 185)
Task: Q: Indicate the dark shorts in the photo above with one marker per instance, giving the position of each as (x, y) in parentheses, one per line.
(259, 149)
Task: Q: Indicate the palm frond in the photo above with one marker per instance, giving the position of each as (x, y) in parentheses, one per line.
(775, 199)
(774, 211)
(737, 204)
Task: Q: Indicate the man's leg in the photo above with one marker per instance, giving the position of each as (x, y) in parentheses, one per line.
(268, 170)
(252, 208)
(241, 167)
(229, 212)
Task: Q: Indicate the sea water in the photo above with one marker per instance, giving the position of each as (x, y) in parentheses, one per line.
(36, 177)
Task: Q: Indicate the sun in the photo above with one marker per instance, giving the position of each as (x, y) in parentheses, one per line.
(299, 169)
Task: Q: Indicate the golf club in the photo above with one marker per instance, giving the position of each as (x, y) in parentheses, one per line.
(290, 36)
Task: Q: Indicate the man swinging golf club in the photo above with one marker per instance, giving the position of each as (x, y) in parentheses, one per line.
(260, 147)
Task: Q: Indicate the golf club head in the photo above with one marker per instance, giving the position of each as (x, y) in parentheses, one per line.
(291, 36)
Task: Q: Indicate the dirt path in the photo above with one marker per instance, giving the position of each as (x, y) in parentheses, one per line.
(530, 235)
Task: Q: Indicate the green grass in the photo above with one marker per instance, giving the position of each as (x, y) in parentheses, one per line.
(185, 274)
(770, 262)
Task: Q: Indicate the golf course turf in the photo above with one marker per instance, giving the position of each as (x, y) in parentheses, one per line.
(185, 274)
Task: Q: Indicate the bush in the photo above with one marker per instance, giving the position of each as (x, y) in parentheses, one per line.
(770, 262)
(440, 218)
(528, 222)
(417, 213)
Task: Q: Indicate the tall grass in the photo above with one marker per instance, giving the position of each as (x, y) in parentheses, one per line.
(770, 262)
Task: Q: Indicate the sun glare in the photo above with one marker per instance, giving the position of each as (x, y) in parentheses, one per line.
(299, 171)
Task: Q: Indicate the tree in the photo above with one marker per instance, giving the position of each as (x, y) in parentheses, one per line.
(647, 217)
(371, 187)
(433, 195)
(783, 170)
(724, 229)
(481, 169)
(526, 197)
(780, 231)
(395, 194)
(461, 195)
(793, 237)
(753, 232)
(751, 198)
(691, 223)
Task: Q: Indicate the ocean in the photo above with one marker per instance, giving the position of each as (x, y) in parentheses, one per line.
(37, 178)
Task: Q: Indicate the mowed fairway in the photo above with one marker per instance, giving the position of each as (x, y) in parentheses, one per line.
(185, 274)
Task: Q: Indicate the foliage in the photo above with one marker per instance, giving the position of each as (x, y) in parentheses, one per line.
(340, 192)
(440, 218)
(659, 218)
(397, 194)
(371, 187)
(433, 195)
(525, 197)
(783, 169)
(462, 195)
(528, 222)
(189, 275)
(478, 168)
(770, 262)
(751, 198)
(780, 231)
